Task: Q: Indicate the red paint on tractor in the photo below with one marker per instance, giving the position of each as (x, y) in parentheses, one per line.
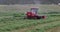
(30, 14)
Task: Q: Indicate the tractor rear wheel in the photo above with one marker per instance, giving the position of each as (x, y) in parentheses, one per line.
(38, 17)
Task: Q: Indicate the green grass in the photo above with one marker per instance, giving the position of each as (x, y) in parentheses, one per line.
(43, 28)
(11, 18)
(8, 25)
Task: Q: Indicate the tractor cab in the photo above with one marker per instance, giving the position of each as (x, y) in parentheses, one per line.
(34, 10)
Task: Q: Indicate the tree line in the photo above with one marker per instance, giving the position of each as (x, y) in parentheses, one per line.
(28, 1)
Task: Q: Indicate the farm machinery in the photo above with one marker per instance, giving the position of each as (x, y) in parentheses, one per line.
(32, 14)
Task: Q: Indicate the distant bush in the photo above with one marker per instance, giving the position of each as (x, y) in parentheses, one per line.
(54, 15)
(49, 13)
(53, 12)
(16, 15)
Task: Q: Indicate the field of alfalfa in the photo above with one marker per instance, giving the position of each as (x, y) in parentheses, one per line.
(11, 19)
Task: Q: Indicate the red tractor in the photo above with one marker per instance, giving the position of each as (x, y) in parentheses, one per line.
(32, 14)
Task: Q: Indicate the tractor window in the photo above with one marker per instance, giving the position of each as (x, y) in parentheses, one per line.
(34, 10)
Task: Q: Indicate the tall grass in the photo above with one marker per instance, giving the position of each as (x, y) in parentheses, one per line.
(43, 28)
(8, 25)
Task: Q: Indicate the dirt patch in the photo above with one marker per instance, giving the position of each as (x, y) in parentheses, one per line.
(56, 29)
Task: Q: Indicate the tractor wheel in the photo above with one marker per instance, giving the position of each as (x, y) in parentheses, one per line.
(38, 17)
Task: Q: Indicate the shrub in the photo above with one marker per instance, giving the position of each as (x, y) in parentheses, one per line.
(16, 15)
(53, 12)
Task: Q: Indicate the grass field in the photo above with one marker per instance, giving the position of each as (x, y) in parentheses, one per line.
(10, 23)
